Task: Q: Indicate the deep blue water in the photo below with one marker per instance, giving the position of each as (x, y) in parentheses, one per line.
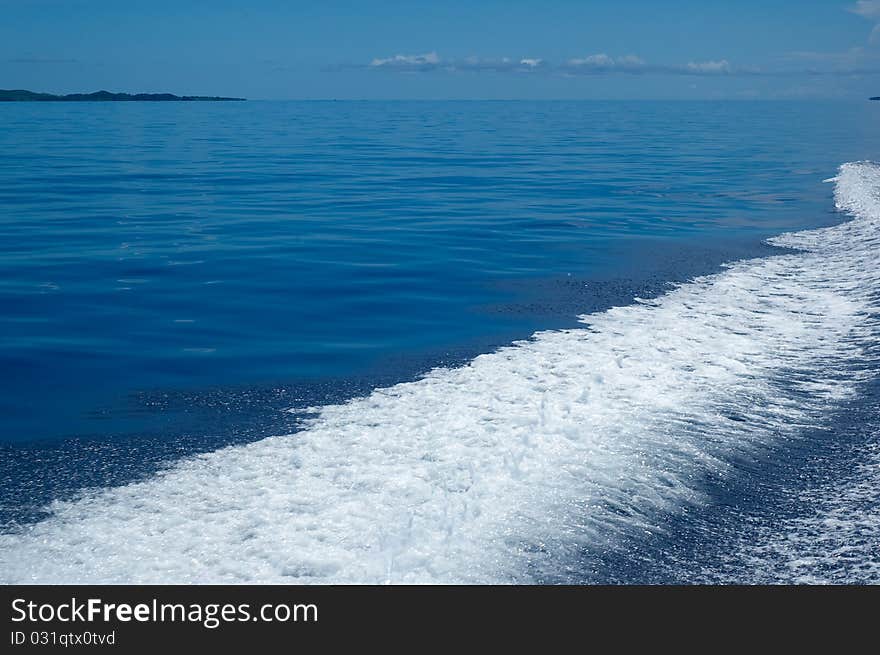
(173, 276)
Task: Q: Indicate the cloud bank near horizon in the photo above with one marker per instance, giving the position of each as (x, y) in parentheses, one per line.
(599, 63)
(605, 64)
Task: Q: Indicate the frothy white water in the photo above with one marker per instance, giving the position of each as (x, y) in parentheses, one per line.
(507, 468)
(834, 538)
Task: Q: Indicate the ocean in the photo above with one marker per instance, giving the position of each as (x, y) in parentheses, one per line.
(525, 342)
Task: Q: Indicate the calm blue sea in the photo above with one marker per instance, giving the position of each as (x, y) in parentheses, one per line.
(177, 277)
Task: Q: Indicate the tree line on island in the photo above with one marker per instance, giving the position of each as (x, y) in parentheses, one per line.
(20, 95)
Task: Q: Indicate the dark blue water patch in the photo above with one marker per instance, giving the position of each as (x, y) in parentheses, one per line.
(648, 269)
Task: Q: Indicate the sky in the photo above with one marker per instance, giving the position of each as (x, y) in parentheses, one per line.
(450, 49)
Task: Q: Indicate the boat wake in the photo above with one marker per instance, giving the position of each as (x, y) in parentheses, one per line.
(511, 467)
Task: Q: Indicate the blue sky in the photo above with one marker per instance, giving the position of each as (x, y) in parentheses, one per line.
(450, 49)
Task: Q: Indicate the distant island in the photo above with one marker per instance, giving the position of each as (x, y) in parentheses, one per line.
(20, 95)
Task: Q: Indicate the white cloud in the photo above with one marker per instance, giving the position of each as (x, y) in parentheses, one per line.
(478, 64)
(603, 63)
(709, 67)
(867, 8)
(403, 62)
(858, 60)
(597, 61)
(630, 60)
(432, 61)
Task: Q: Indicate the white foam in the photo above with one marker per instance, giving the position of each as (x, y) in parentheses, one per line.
(834, 538)
(503, 470)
